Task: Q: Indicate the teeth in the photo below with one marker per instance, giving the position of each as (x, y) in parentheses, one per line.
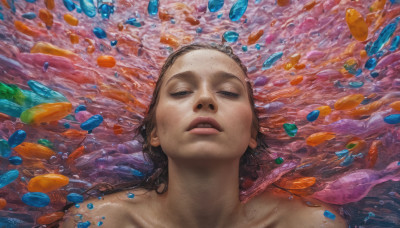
(204, 125)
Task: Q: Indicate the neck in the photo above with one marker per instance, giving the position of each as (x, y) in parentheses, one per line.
(202, 194)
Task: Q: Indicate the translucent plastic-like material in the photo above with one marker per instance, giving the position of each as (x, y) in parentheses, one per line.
(77, 78)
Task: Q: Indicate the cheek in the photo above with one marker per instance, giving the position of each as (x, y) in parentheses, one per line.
(242, 119)
(166, 116)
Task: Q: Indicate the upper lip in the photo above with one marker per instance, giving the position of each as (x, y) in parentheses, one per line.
(205, 120)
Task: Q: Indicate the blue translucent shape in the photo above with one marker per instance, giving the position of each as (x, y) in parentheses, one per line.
(90, 206)
(8, 177)
(46, 92)
(348, 160)
(384, 36)
(15, 160)
(12, 5)
(356, 84)
(342, 153)
(374, 74)
(238, 9)
(172, 21)
(113, 42)
(83, 224)
(10, 108)
(100, 223)
(78, 9)
(16, 138)
(199, 30)
(371, 64)
(5, 150)
(271, 60)
(1, 17)
(131, 195)
(358, 72)
(66, 125)
(45, 66)
(100, 33)
(75, 198)
(329, 215)
(137, 173)
(36, 199)
(105, 11)
(133, 21)
(368, 46)
(92, 123)
(152, 8)
(30, 15)
(88, 7)
(395, 43)
(215, 5)
(392, 119)
(231, 36)
(69, 4)
(381, 53)
(244, 48)
(312, 116)
(80, 108)
(31, 1)
(394, 1)
(219, 15)
(258, 46)
(77, 205)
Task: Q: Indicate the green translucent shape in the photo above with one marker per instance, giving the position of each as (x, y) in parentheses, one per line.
(6, 92)
(46, 143)
(351, 146)
(279, 160)
(291, 129)
(27, 116)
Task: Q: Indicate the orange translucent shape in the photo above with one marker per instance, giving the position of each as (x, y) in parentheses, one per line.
(273, 22)
(283, 93)
(21, 27)
(47, 48)
(395, 105)
(50, 218)
(363, 54)
(74, 38)
(4, 116)
(358, 27)
(49, 4)
(3, 203)
(117, 129)
(76, 154)
(5, 3)
(320, 137)
(192, 20)
(377, 5)
(164, 15)
(90, 49)
(120, 26)
(367, 109)
(299, 66)
(288, 66)
(169, 40)
(47, 182)
(34, 150)
(356, 145)
(254, 37)
(46, 17)
(294, 59)
(296, 80)
(283, 2)
(299, 183)
(324, 110)
(309, 5)
(106, 61)
(71, 20)
(349, 102)
(372, 155)
(74, 134)
(48, 112)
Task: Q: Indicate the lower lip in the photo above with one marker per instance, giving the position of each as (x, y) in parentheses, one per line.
(204, 131)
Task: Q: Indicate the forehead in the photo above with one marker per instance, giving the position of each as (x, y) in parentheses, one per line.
(207, 62)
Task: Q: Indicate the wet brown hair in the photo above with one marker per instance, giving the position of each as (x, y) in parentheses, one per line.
(158, 157)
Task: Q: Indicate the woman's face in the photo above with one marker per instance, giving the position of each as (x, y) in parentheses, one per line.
(203, 85)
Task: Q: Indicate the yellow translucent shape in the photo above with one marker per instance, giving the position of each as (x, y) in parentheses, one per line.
(324, 110)
(367, 109)
(294, 59)
(21, 27)
(395, 105)
(320, 137)
(349, 102)
(358, 27)
(74, 38)
(283, 93)
(283, 2)
(106, 61)
(47, 48)
(71, 20)
(46, 112)
(49, 4)
(46, 17)
(33, 150)
(377, 5)
(288, 66)
(47, 182)
(169, 40)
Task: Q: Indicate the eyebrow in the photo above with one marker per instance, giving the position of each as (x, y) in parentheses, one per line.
(221, 74)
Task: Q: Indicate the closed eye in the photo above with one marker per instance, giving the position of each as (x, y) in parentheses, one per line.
(229, 94)
(180, 93)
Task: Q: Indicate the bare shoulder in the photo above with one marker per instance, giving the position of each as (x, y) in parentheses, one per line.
(295, 213)
(112, 210)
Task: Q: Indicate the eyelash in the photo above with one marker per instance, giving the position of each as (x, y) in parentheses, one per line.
(226, 93)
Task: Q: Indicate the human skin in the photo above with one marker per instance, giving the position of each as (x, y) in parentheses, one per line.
(203, 170)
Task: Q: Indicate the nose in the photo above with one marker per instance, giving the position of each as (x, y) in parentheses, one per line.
(205, 102)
